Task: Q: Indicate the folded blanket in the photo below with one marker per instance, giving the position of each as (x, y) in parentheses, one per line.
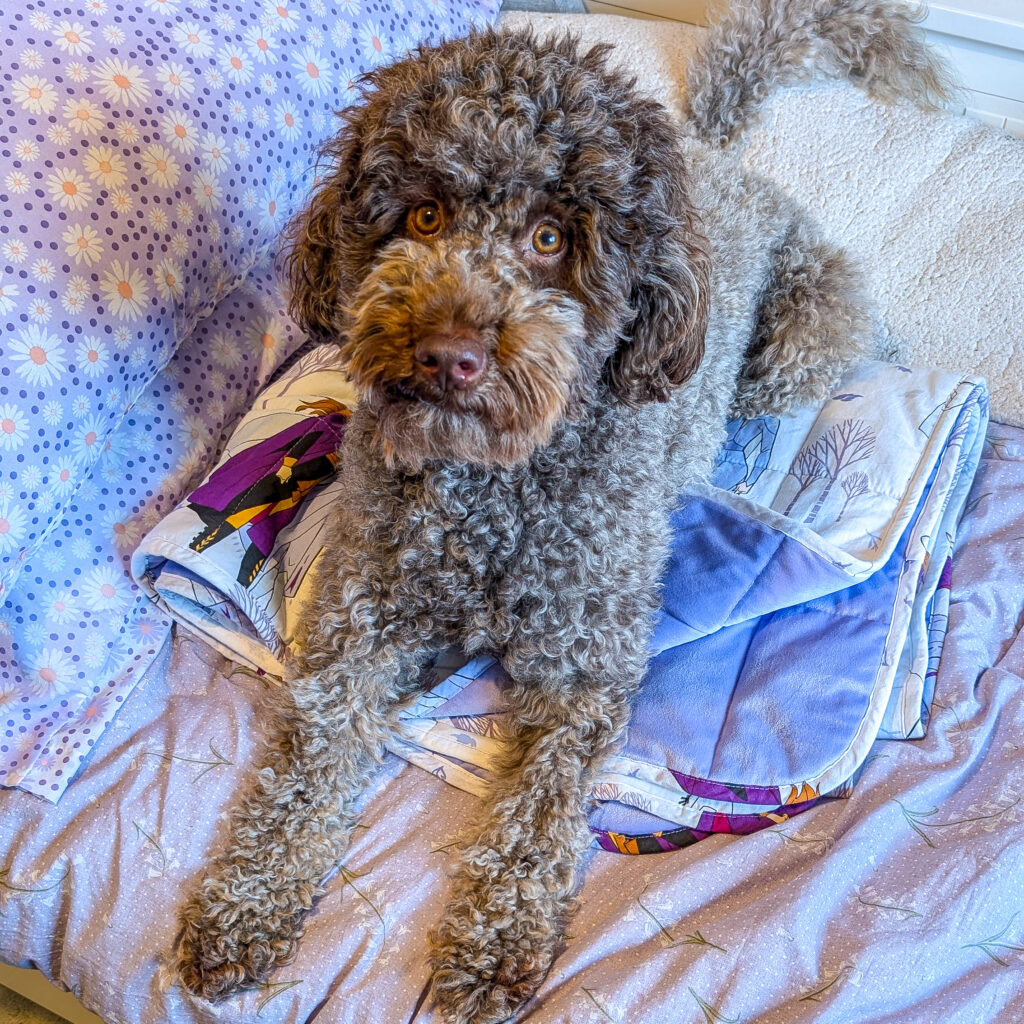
(231, 561)
(804, 612)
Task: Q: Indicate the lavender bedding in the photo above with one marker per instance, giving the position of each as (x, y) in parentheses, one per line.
(900, 904)
(128, 745)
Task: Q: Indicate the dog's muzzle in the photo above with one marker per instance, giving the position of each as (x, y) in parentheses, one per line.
(460, 354)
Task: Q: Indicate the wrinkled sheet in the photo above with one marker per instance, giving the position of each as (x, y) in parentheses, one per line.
(901, 904)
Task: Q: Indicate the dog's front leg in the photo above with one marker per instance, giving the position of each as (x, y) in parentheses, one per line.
(290, 831)
(515, 884)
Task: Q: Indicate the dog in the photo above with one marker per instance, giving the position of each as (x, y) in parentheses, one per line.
(550, 297)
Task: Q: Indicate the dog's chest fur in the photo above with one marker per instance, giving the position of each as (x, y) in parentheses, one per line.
(472, 556)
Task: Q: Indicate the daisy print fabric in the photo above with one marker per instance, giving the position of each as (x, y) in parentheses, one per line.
(152, 154)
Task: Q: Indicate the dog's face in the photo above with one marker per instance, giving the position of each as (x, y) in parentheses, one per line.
(505, 227)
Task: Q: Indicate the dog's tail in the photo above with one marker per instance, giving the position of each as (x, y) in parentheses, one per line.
(754, 46)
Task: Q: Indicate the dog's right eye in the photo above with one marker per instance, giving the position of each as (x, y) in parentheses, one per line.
(548, 240)
(425, 219)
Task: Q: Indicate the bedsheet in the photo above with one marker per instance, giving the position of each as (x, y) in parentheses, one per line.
(901, 904)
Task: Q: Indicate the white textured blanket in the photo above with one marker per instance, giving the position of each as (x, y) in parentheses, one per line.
(916, 198)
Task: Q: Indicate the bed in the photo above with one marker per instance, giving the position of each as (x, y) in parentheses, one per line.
(126, 740)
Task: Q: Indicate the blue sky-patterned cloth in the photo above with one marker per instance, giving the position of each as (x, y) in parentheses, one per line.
(804, 612)
(804, 601)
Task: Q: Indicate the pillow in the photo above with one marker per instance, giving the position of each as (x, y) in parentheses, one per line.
(151, 154)
(931, 205)
(129, 348)
(76, 634)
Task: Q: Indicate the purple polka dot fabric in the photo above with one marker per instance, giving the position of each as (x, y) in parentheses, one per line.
(151, 156)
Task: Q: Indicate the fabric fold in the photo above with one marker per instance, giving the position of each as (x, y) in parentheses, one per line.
(231, 561)
(804, 599)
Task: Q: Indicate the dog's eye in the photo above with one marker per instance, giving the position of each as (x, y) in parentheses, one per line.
(548, 240)
(425, 219)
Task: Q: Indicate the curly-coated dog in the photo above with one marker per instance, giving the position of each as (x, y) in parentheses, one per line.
(549, 295)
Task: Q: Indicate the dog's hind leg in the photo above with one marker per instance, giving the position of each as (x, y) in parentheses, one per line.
(249, 910)
(514, 889)
(812, 326)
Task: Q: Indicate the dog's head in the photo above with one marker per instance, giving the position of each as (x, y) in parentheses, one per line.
(504, 229)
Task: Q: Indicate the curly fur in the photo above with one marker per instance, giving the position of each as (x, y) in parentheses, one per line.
(526, 514)
(870, 42)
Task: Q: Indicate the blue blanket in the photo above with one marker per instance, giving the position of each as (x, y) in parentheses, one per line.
(804, 612)
(804, 609)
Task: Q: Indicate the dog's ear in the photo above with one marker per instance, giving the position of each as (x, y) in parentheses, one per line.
(329, 242)
(313, 261)
(670, 290)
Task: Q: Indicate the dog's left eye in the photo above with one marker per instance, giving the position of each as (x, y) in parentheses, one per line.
(548, 240)
(425, 219)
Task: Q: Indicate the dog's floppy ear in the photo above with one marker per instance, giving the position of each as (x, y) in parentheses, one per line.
(313, 261)
(670, 291)
(329, 243)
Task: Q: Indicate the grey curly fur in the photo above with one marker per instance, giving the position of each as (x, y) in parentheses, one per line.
(871, 43)
(528, 515)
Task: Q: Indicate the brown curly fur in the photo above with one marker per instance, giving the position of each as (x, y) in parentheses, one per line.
(526, 514)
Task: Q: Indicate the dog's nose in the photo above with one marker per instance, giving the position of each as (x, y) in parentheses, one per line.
(454, 362)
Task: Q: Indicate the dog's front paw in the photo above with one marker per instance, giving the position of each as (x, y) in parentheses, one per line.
(468, 991)
(216, 959)
(483, 973)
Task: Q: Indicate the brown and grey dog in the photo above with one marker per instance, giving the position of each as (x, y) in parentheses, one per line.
(550, 296)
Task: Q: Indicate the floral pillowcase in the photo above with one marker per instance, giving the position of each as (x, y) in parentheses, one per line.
(151, 155)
